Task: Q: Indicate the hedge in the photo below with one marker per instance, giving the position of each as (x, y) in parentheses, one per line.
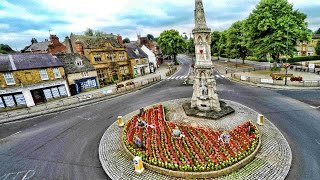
(302, 58)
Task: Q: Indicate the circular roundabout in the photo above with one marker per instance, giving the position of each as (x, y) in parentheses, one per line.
(174, 145)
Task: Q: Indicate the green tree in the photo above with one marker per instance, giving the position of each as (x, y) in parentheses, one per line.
(172, 43)
(190, 46)
(237, 41)
(268, 25)
(215, 37)
(5, 49)
(317, 48)
(222, 48)
(89, 32)
(317, 31)
(150, 37)
(126, 40)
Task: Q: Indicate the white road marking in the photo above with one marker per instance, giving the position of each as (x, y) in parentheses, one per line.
(177, 77)
(185, 77)
(16, 133)
(315, 107)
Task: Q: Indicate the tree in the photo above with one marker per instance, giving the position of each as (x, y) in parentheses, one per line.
(150, 37)
(317, 48)
(126, 40)
(268, 25)
(5, 49)
(222, 49)
(237, 40)
(190, 46)
(215, 37)
(317, 31)
(171, 43)
(89, 32)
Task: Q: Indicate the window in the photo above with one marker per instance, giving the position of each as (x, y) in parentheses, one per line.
(121, 57)
(100, 74)
(97, 58)
(9, 78)
(43, 74)
(85, 74)
(79, 62)
(56, 73)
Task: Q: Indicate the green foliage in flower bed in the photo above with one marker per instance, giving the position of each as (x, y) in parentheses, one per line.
(200, 150)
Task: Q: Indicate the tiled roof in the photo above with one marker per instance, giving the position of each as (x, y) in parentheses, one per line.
(96, 42)
(70, 66)
(11, 62)
(131, 49)
(40, 46)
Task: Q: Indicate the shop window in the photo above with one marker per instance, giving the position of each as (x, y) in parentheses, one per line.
(56, 73)
(9, 78)
(20, 99)
(43, 74)
(2, 103)
(9, 101)
(62, 90)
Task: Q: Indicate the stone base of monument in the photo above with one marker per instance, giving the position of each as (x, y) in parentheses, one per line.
(195, 112)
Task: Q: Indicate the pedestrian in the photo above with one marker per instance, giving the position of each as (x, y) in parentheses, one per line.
(226, 70)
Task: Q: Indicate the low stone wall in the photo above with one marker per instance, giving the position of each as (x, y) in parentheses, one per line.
(209, 174)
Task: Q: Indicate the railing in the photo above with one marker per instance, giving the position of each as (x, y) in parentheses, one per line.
(171, 71)
(256, 80)
(72, 101)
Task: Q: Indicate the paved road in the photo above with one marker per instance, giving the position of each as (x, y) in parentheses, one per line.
(65, 145)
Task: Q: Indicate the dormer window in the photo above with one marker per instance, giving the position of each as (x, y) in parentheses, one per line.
(137, 52)
(79, 62)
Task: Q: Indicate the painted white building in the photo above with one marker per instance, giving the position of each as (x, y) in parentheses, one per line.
(152, 58)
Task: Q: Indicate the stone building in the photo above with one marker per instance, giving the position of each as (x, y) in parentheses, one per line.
(139, 60)
(106, 54)
(30, 79)
(81, 75)
(305, 48)
(53, 46)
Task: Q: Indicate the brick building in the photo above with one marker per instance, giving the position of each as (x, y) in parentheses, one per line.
(51, 46)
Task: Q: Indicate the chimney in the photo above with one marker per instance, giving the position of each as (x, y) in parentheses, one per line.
(54, 39)
(34, 40)
(79, 47)
(68, 44)
(119, 39)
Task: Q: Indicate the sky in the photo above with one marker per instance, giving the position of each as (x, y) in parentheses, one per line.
(21, 20)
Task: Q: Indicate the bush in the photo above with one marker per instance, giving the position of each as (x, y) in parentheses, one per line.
(252, 58)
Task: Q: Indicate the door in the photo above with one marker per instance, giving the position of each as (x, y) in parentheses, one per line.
(38, 96)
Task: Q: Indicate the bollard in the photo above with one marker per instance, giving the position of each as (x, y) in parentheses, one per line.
(120, 121)
(138, 165)
(260, 120)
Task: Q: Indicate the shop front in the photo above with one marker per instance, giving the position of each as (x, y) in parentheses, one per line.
(31, 95)
(85, 84)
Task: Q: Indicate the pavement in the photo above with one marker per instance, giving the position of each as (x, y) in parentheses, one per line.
(273, 160)
(220, 65)
(84, 98)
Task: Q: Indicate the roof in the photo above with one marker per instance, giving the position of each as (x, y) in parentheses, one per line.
(96, 41)
(316, 36)
(70, 66)
(12, 62)
(134, 51)
(40, 46)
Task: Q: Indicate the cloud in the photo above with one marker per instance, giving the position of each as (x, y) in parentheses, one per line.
(21, 20)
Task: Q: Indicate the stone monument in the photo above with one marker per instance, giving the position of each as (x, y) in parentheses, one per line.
(204, 95)
(205, 101)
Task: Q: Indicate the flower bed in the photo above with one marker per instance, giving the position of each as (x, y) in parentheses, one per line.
(199, 151)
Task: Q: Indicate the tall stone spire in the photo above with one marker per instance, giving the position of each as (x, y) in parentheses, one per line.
(204, 97)
(199, 16)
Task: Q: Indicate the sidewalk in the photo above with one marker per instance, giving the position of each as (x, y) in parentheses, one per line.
(85, 97)
(258, 74)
